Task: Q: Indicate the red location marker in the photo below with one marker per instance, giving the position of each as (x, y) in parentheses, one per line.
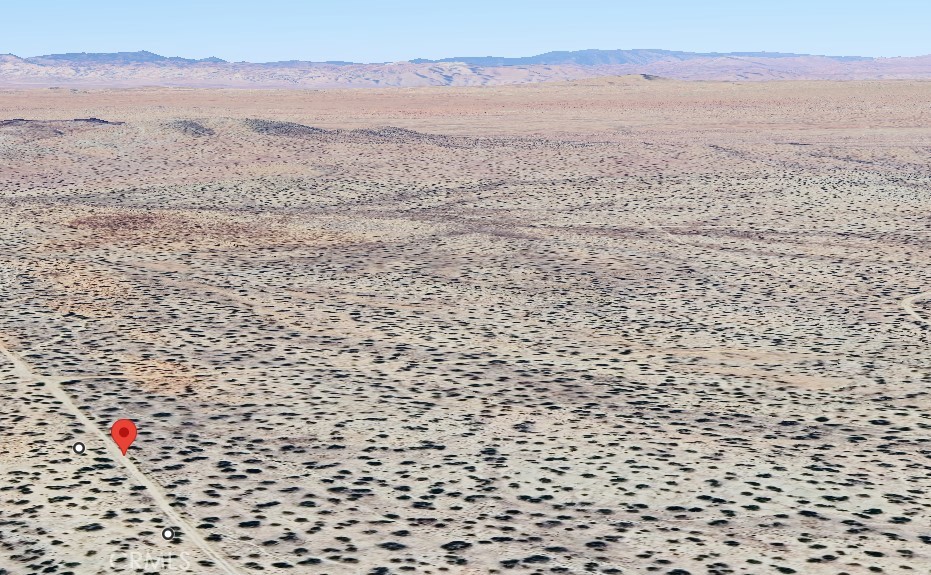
(123, 433)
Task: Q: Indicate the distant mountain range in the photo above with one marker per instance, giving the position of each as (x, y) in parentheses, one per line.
(140, 57)
(143, 68)
(611, 57)
(579, 57)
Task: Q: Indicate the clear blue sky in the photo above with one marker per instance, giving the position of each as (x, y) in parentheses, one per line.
(377, 31)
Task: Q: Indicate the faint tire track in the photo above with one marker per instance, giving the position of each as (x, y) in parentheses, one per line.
(908, 304)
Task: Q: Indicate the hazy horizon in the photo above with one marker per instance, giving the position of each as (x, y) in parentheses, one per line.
(368, 32)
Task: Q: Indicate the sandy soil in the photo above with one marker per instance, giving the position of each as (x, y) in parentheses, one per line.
(609, 326)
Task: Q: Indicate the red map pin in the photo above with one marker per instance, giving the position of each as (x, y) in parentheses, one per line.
(123, 433)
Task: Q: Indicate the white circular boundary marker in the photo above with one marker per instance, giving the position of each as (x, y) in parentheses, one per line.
(78, 448)
(168, 534)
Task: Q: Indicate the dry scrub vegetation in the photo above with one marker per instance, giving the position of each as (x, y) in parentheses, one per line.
(611, 326)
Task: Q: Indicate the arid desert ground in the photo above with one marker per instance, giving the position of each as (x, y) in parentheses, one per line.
(621, 326)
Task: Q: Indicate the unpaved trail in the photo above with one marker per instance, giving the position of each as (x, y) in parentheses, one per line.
(908, 304)
(22, 369)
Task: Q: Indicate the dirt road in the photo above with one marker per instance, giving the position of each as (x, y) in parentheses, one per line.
(23, 370)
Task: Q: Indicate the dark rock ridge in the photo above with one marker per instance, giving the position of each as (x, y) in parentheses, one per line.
(20, 121)
(191, 128)
(395, 135)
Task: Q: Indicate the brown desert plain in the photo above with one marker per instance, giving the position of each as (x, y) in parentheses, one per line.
(621, 325)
